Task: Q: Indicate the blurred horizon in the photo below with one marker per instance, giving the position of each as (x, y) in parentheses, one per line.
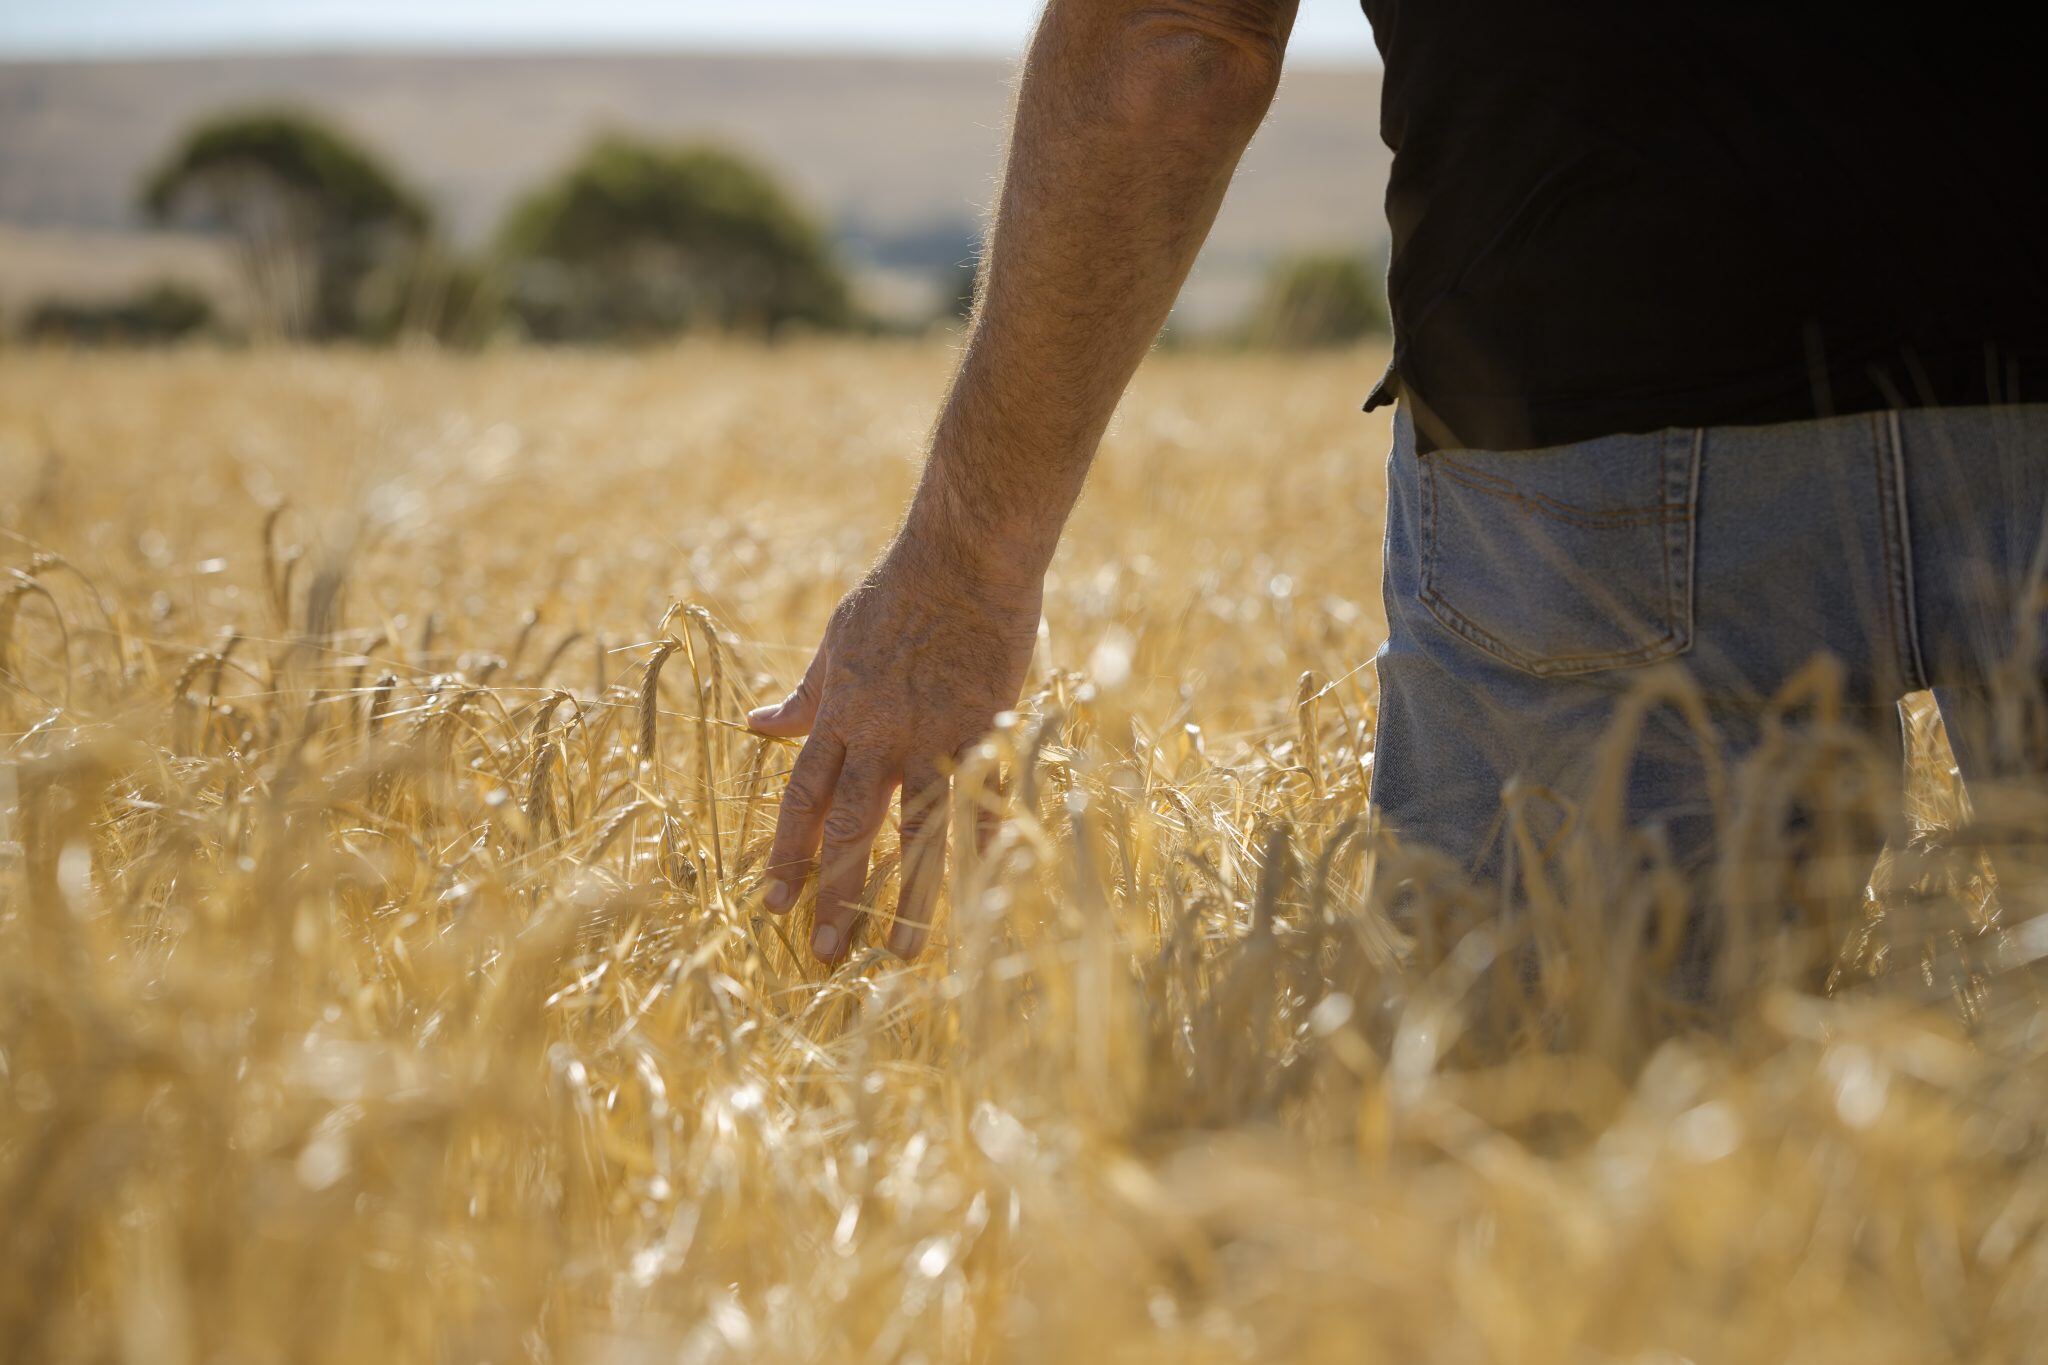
(1329, 32)
(882, 122)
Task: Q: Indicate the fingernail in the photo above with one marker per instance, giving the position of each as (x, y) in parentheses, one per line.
(777, 895)
(761, 713)
(824, 940)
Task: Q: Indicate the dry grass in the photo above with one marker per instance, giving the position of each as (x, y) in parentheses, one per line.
(382, 973)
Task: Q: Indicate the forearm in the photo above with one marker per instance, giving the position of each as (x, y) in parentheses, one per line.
(1130, 121)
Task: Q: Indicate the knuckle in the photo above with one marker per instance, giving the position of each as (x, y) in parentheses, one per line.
(800, 801)
(844, 826)
(921, 818)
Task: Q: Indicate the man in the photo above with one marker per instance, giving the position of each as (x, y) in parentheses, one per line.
(1714, 326)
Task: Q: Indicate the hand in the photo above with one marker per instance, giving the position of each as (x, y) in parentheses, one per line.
(914, 668)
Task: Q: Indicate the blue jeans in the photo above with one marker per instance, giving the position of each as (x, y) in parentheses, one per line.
(1526, 592)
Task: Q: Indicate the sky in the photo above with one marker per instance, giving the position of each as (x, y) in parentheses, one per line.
(1329, 30)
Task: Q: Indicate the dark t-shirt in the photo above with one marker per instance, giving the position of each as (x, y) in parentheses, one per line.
(1621, 215)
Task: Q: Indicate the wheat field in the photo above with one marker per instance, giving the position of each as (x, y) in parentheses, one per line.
(383, 974)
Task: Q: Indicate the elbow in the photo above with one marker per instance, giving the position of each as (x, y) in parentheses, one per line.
(1207, 71)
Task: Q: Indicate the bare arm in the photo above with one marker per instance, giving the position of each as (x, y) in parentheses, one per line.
(1130, 120)
(1129, 124)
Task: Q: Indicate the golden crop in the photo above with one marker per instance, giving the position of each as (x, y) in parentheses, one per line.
(383, 975)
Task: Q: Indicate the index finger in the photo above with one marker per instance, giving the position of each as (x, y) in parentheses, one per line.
(800, 821)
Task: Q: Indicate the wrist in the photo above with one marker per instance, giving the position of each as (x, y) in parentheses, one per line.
(985, 555)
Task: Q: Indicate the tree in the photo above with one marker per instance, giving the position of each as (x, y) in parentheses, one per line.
(321, 224)
(637, 241)
(1321, 299)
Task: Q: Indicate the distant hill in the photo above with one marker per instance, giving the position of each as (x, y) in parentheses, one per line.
(897, 154)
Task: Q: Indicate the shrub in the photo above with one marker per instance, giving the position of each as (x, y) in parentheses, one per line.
(1321, 299)
(638, 241)
(164, 312)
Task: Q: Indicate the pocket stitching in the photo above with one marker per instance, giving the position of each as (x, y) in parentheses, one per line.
(1677, 517)
(1597, 519)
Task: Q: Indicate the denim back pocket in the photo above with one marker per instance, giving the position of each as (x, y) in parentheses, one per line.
(1568, 560)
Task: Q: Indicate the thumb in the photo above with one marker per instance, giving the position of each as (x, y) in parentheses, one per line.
(794, 715)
